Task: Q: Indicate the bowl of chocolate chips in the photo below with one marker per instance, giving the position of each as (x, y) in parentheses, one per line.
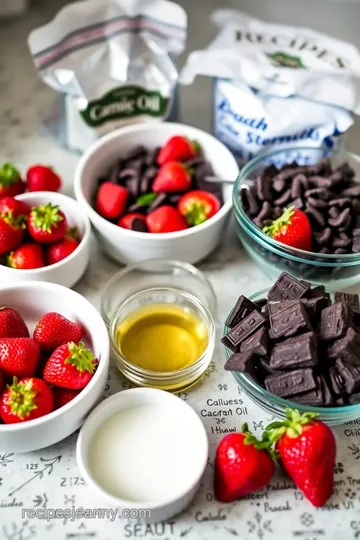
(298, 346)
(298, 210)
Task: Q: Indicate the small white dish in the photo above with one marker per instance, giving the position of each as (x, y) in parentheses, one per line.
(145, 452)
(32, 300)
(191, 245)
(68, 271)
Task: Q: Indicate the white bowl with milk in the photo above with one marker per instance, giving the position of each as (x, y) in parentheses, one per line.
(145, 452)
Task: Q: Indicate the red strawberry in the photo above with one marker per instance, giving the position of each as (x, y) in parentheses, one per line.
(178, 148)
(134, 222)
(11, 232)
(19, 356)
(26, 257)
(54, 330)
(165, 219)
(307, 451)
(241, 466)
(42, 178)
(70, 366)
(10, 181)
(63, 396)
(12, 324)
(59, 251)
(292, 228)
(173, 176)
(18, 208)
(2, 382)
(47, 224)
(25, 400)
(111, 200)
(197, 206)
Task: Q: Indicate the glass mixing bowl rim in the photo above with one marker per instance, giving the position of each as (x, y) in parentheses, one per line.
(263, 393)
(278, 247)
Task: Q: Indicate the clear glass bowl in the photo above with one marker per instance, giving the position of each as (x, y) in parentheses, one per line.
(335, 271)
(332, 416)
(159, 282)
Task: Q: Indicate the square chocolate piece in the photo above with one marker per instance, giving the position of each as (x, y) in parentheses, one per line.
(295, 352)
(243, 307)
(243, 330)
(336, 382)
(350, 374)
(354, 399)
(347, 348)
(290, 383)
(351, 300)
(314, 398)
(328, 398)
(290, 320)
(288, 288)
(334, 321)
(240, 362)
(276, 306)
(258, 343)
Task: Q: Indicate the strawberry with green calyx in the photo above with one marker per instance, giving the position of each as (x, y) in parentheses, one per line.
(25, 400)
(10, 181)
(26, 257)
(307, 450)
(242, 465)
(292, 228)
(47, 224)
(198, 206)
(70, 366)
(178, 148)
(18, 208)
(12, 231)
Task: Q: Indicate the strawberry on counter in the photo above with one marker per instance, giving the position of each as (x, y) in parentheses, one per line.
(10, 181)
(292, 228)
(42, 178)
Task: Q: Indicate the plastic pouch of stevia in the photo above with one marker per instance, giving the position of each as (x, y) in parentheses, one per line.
(112, 62)
(277, 86)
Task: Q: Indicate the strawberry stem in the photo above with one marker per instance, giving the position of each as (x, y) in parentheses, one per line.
(72, 233)
(45, 217)
(146, 199)
(19, 222)
(195, 214)
(263, 444)
(278, 224)
(21, 398)
(8, 175)
(292, 425)
(196, 146)
(80, 357)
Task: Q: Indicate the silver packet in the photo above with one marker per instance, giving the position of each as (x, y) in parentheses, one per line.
(112, 61)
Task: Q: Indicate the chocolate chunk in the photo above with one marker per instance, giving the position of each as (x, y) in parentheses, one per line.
(265, 364)
(147, 179)
(347, 348)
(284, 198)
(353, 191)
(132, 183)
(159, 201)
(261, 302)
(314, 398)
(258, 343)
(287, 287)
(243, 330)
(336, 381)
(243, 307)
(320, 193)
(356, 244)
(139, 225)
(263, 185)
(334, 212)
(324, 250)
(297, 203)
(295, 352)
(240, 362)
(350, 374)
(318, 291)
(317, 203)
(151, 157)
(334, 321)
(266, 212)
(351, 300)
(315, 215)
(249, 202)
(320, 181)
(355, 205)
(354, 399)
(327, 396)
(342, 202)
(137, 152)
(279, 184)
(340, 401)
(323, 237)
(340, 251)
(275, 307)
(314, 306)
(341, 219)
(289, 321)
(341, 241)
(297, 186)
(290, 383)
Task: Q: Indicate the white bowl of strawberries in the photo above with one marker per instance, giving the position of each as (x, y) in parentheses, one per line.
(44, 236)
(148, 193)
(54, 361)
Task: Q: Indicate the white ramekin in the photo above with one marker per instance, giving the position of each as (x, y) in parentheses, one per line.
(68, 271)
(159, 510)
(125, 246)
(33, 300)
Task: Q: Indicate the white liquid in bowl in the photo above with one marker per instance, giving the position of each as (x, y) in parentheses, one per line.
(146, 453)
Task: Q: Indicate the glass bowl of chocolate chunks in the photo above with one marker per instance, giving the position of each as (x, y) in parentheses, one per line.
(297, 346)
(324, 184)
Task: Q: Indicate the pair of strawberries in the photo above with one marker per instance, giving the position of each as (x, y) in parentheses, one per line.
(38, 178)
(306, 448)
(49, 241)
(47, 371)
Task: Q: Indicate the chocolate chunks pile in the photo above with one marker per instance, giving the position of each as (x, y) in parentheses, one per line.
(297, 344)
(329, 196)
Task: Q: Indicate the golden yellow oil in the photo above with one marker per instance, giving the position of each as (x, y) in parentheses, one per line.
(162, 337)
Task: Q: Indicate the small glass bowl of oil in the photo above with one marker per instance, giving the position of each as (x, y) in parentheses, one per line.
(162, 331)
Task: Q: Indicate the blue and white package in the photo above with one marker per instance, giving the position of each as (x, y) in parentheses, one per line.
(277, 86)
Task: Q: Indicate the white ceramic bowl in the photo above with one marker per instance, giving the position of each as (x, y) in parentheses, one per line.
(70, 270)
(159, 510)
(191, 245)
(33, 300)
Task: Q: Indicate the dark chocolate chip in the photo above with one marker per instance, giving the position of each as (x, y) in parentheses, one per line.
(290, 383)
(283, 199)
(341, 241)
(334, 212)
(297, 203)
(317, 203)
(342, 202)
(323, 237)
(341, 219)
(297, 186)
(296, 352)
(249, 201)
(320, 193)
(263, 185)
(139, 225)
(266, 212)
(317, 216)
(133, 185)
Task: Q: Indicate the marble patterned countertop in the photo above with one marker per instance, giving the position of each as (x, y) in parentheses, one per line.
(50, 479)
